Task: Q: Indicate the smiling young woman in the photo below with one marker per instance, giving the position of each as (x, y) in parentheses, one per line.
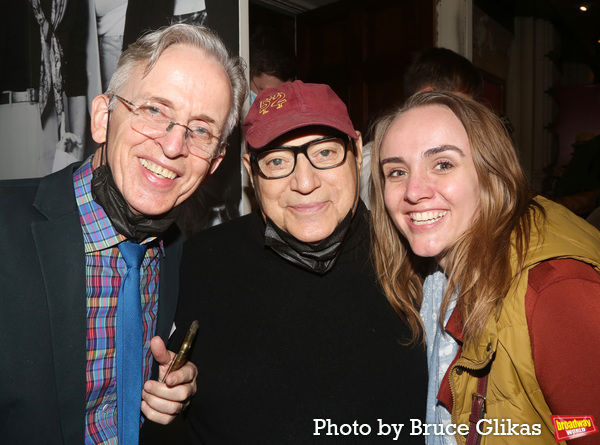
(466, 250)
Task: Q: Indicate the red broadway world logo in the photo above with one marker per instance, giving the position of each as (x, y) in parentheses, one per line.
(571, 427)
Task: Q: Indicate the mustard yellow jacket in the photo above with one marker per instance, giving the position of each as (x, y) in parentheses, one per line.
(513, 393)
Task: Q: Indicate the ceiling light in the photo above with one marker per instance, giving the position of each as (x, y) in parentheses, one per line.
(583, 8)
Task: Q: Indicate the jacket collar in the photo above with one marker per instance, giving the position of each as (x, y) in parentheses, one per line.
(59, 246)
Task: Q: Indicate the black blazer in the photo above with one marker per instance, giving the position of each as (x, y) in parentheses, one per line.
(43, 310)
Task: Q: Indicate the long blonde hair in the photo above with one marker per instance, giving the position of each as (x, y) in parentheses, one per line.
(478, 264)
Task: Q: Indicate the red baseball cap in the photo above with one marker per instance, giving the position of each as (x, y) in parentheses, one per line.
(294, 105)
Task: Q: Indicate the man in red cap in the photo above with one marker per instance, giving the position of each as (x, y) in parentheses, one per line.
(297, 343)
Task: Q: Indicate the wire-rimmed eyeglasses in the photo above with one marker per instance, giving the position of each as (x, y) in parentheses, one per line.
(323, 153)
(153, 119)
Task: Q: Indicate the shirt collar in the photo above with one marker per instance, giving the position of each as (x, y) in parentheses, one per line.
(98, 231)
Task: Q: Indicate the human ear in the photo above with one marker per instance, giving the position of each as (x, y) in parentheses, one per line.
(358, 151)
(99, 118)
(217, 161)
(246, 161)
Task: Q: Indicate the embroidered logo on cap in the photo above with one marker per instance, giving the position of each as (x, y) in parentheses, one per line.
(275, 101)
(571, 427)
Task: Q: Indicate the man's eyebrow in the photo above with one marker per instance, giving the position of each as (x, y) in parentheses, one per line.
(159, 99)
(169, 103)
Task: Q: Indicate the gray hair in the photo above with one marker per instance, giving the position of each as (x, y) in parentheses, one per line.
(148, 49)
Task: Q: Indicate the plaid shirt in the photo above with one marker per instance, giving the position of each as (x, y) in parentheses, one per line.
(105, 269)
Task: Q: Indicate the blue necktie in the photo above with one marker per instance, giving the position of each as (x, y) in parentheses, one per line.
(129, 351)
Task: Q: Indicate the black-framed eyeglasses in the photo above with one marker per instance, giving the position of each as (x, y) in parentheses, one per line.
(153, 120)
(323, 153)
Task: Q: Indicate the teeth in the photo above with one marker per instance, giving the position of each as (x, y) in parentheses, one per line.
(157, 169)
(426, 217)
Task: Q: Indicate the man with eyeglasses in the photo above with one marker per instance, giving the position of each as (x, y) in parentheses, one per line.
(297, 343)
(89, 271)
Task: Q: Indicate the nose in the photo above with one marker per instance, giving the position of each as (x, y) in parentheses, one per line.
(305, 177)
(174, 142)
(417, 187)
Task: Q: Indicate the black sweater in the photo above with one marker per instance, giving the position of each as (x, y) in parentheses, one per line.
(279, 347)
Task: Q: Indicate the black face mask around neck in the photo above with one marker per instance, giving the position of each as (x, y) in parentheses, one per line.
(127, 223)
(318, 258)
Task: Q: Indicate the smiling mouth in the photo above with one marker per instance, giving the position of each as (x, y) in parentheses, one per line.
(308, 208)
(157, 170)
(422, 218)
